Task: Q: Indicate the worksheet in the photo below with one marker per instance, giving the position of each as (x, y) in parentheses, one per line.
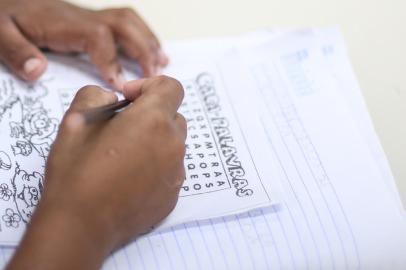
(222, 177)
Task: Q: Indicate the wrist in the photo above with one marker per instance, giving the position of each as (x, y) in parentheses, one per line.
(58, 237)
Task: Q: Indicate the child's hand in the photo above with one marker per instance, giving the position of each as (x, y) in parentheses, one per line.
(28, 25)
(106, 183)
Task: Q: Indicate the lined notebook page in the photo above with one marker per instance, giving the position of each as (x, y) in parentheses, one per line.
(334, 50)
(320, 224)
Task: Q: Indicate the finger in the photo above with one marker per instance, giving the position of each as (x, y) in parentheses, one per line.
(74, 128)
(180, 122)
(90, 97)
(162, 59)
(136, 43)
(136, 47)
(101, 47)
(71, 129)
(180, 178)
(159, 93)
(21, 56)
(132, 89)
(81, 35)
(129, 16)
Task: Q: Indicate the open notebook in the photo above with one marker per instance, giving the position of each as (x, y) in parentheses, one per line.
(303, 123)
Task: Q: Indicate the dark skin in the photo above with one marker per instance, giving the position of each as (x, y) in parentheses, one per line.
(106, 182)
(26, 26)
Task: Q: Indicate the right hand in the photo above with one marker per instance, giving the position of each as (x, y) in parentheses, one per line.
(127, 172)
(106, 183)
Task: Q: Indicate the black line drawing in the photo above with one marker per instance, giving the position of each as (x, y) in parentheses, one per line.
(5, 161)
(37, 128)
(31, 131)
(28, 120)
(5, 192)
(23, 148)
(11, 219)
(8, 105)
(29, 93)
(27, 189)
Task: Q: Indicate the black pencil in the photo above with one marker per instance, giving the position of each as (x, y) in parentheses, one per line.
(105, 112)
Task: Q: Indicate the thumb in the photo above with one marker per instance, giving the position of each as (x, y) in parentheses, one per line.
(87, 98)
(90, 97)
(21, 56)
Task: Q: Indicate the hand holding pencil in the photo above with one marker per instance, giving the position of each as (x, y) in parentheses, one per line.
(108, 181)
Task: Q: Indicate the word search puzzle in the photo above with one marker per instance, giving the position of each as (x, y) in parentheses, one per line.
(208, 138)
(221, 177)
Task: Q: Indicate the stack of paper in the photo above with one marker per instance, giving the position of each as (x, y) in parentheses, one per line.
(284, 169)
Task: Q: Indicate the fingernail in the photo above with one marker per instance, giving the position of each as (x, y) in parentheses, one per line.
(32, 65)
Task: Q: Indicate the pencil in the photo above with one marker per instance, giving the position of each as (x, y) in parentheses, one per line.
(105, 112)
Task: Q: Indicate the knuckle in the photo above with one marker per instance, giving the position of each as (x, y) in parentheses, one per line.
(107, 95)
(152, 45)
(72, 122)
(180, 145)
(179, 148)
(159, 120)
(100, 31)
(126, 14)
(176, 148)
(87, 90)
(172, 204)
(153, 103)
(176, 86)
(170, 82)
(146, 57)
(34, 32)
(182, 119)
(93, 95)
(161, 79)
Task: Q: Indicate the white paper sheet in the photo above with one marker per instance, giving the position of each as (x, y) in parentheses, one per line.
(221, 176)
(336, 212)
(335, 52)
(322, 154)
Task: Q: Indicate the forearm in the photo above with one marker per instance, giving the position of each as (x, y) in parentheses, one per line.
(59, 240)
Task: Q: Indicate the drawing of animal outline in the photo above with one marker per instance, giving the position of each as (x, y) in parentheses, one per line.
(29, 121)
(27, 189)
(37, 128)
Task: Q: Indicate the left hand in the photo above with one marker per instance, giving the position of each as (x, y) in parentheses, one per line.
(26, 26)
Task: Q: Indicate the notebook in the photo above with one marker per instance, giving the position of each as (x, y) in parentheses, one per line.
(303, 122)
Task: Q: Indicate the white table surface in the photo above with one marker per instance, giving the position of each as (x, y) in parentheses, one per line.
(374, 30)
